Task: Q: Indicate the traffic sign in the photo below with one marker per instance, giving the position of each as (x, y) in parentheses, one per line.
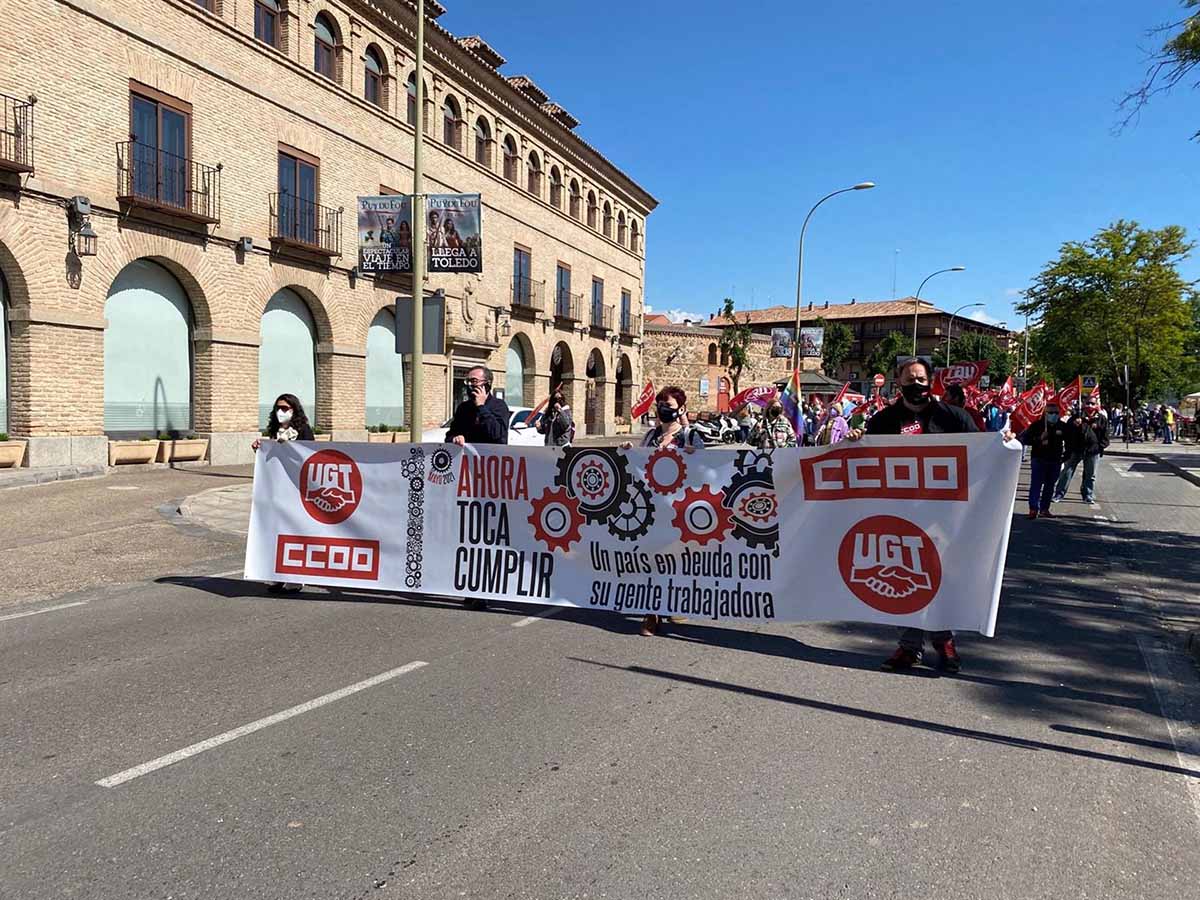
(985, 381)
(1089, 384)
(1019, 383)
(879, 380)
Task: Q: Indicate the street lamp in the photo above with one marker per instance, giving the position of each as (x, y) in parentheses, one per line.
(861, 186)
(950, 327)
(917, 300)
(979, 352)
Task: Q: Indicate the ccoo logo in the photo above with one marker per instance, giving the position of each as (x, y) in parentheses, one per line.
(330, 486)
(890, 564)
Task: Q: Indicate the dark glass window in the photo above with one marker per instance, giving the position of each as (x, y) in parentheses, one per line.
(159, 152)
(266, 21)
(297, 198)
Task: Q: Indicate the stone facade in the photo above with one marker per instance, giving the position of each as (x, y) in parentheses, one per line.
(247, 102)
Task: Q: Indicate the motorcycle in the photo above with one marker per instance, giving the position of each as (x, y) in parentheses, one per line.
(720, 429)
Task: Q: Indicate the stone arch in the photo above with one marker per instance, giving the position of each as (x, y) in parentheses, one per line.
(15, 236)
(525, 393)
(623, 395)
(189, 263)
(312, 288)
(595, 392)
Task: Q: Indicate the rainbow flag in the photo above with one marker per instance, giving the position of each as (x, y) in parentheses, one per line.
(792, 399)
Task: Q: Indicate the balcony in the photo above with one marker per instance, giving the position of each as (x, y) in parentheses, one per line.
(527, 296)
(602, 317)
(304, 225)
(16, 134)
(631, 326)
(149, 178)
(568, 307)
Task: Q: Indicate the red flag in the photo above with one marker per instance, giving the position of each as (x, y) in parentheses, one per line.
(1006, 397)
(964, 373)
(759, 396)
(645, 400)
(1030, 407)
(1068, 396)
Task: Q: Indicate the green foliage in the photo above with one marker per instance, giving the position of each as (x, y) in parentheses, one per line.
(838, 339)
(735, 343)
(3, 435)
(883, 357)
(971, 346)
(1118, 299)
(1173, 63)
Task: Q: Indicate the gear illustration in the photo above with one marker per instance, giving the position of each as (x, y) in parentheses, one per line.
(665, 470)
(634, 515)
(750, 497)
(700, 516)
(556, 519)
(597, 477)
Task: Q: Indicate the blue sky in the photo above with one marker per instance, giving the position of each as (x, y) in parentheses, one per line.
(989, 129)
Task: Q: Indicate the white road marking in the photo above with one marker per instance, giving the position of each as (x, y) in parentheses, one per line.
(226, 574)
(171, 758)
(38, 612)
(544, 614)
(1167, 666)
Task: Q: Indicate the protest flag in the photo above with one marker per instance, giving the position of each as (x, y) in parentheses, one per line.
(644, 401)
(793, 401)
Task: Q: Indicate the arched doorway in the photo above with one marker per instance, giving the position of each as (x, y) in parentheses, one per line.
(562, 369)
(3, 356)
(518, 372)
(593, 414)
(723, 394)
(287, 362)
(624, 392)
(385, 373)
(147, 353)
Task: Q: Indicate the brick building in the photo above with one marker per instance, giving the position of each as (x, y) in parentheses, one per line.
(870, 321)
(221, 145)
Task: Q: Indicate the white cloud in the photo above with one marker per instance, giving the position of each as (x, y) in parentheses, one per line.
(678, 315)
(981, 315)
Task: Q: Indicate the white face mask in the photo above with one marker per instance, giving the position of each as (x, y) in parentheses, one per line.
(283, 416)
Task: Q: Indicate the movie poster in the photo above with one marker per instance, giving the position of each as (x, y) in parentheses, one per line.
(812, 340)
(385, 233)
(455, 232)
(781, 343)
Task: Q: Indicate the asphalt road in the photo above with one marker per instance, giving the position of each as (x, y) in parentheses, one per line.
(565, 757)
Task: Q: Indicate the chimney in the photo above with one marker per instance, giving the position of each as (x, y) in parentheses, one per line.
(853, 300)
(827, 304)
(810, 304)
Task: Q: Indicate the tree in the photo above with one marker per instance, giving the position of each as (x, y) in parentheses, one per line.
(1116, 300)
(1170, 65)
(735, 343)
(883, 357)
(971, 346)
(835, 349)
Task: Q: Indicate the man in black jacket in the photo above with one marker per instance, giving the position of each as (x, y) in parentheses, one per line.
(483, 417)
(1086, 442)
(480, 419)
(1048, 437)
(916, 412)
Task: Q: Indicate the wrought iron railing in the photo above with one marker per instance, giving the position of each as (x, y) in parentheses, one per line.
(527, 293)
(630, 324)
(602, 317)
(16, 133)
(151, 177)
(568, 307)
(303, 223)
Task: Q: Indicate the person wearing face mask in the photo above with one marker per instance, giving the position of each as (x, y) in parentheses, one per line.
(916, 412)
(1087, 439)
(287, 423)
(672, 430)
(1047, 437)
(774, 430)
(556, 423)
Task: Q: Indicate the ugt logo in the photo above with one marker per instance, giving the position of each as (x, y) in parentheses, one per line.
(890, 564)
(330, 486)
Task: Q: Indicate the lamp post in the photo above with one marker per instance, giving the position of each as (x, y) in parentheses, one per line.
(979, 352)
(417, 407)
(861, 186)
(950, 327)
(917, 300)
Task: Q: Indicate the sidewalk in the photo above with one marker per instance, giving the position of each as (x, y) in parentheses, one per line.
(1182, 459)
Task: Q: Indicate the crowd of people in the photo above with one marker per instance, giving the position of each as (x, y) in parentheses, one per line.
(1145, 422)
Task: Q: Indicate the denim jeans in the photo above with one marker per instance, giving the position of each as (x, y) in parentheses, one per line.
(1043, 474)
(914, 638)
(1089, 477)
(1067, 473)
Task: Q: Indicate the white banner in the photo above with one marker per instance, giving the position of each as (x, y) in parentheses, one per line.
(903, 531)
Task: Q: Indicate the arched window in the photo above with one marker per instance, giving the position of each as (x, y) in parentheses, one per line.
(576, 200)
(592, 209)
(451, 124)
(533, 181)
(511, 160)
(373, 83)
(147, 353)
(621, 228)
(633, 235)
(266, 21)
(483, 142)
(287, 361)
(724, 356)
(412, 101)
(385, 373)
(712, 354)
(608, 220)
(324, 46)
(555, 187)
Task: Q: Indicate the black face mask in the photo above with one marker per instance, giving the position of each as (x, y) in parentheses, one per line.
(916, 393)
(667, 413)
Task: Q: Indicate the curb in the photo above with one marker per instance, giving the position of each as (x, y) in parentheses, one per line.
(1177, 469)
(48, 476)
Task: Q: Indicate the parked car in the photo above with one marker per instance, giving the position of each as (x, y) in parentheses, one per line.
(522, 429)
